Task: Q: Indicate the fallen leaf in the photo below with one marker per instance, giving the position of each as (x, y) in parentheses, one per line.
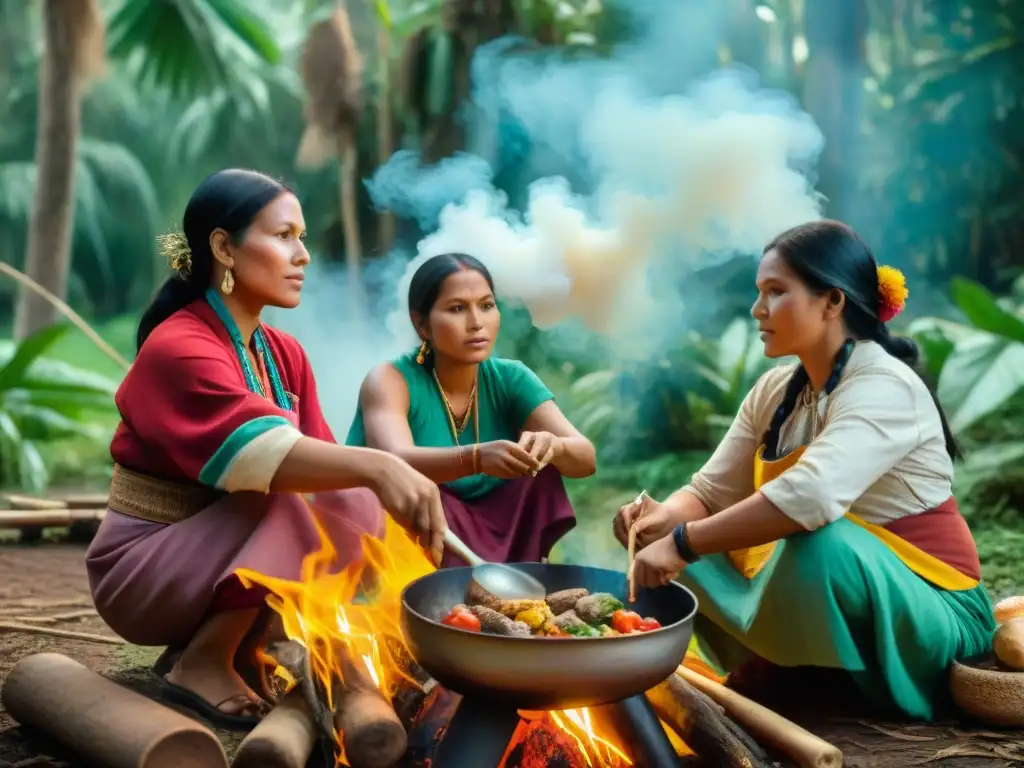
(962, 750)
(994, 735)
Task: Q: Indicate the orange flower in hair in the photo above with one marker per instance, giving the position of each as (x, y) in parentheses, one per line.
(892, 293)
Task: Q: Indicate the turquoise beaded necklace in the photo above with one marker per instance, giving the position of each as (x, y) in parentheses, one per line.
(252, 381)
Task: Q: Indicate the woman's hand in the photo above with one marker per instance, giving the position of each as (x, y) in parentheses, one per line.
(507, 460)
(543, 446)
(413, 500)
(658, 564)
(655, 521)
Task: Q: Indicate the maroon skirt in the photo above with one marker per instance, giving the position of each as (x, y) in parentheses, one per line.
(520, 521)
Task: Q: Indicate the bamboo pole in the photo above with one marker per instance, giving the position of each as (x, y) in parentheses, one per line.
(18, 518)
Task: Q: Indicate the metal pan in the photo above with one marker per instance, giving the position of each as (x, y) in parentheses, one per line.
(544, 673)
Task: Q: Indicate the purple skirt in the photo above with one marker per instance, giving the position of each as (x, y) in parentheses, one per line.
(155, 584)
(518, 522)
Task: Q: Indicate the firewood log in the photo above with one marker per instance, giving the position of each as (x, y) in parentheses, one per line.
(283, 739)
(292, 656)
(103, 722)
(800, 745)
(703, 726)
(371, 733)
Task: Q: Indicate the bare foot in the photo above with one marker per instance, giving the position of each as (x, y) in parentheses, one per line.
(219, 687)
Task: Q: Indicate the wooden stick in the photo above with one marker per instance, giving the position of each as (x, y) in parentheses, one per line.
(54, 517)
(34, 620)
(28, 629)
(802, 746)
(83, 500)
(31, 603)
(72, 615)
(700, 723)
(631, 548)
(372, 734)
(283, 739)
(65, 310)
(18, 502)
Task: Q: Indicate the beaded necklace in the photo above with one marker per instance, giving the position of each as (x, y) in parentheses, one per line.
(473, 408)
(252, 380)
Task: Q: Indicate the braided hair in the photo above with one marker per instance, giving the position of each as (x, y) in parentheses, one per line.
(828, 255)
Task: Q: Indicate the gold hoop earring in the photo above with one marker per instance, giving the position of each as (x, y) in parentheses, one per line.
(424, 351)
(227, 285)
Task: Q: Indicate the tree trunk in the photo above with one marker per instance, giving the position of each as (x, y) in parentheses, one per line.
(48, 258)
(385, 134)
(833, 93)
(472, 26)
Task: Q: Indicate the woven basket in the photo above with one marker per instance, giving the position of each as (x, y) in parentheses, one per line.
(989, 695)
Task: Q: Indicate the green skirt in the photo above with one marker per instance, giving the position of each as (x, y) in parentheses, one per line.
(839, 598)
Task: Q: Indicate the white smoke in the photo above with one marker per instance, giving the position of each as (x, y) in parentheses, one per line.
(685, 175)
(704, 175)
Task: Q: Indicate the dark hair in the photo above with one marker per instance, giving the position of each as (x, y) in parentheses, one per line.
(228, 200)
(428, 280)
(828, 255)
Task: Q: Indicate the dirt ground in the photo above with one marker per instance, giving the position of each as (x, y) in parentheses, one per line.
(48, 580)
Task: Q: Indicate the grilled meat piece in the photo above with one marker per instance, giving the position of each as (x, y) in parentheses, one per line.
(477, 595)
(494, 623)
(565, 599)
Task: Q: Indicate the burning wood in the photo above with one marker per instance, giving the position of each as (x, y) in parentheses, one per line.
(357, 715)
(371, 733)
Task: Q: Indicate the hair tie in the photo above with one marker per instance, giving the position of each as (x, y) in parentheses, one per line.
(174, 247)
(892, 293)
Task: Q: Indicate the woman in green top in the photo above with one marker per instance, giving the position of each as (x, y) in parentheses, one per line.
(486, 429)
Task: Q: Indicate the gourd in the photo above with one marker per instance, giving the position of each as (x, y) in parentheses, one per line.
(1008, 644)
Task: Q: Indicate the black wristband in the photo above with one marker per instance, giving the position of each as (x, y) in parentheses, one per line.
(682, 542)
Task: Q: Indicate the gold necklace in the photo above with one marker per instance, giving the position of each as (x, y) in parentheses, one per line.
(472, 408)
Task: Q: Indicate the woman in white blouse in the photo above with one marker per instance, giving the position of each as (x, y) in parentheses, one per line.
(823, 531)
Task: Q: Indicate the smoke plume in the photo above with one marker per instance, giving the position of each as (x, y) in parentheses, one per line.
(631, 163)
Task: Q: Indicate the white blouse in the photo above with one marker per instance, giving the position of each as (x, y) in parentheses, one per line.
(874, 446)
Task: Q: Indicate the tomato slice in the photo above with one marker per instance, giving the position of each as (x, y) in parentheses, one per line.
(646, 625)
(626, 621)
(462, 620)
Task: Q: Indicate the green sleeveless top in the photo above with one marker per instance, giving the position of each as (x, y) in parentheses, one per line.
(508, 393)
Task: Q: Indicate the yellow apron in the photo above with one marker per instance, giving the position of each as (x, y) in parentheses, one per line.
(750, 561)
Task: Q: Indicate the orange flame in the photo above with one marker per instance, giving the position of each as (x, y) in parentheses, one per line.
(325, 612)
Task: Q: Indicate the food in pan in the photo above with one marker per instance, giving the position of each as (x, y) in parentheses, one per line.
(564, 614)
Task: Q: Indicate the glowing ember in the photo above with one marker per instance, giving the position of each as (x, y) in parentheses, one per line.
(356, 611)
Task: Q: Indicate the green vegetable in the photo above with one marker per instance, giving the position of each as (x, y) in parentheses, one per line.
(596, 608)
(583, 630)
(607, 631)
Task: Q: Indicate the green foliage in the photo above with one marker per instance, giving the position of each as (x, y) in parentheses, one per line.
(44, 400)
(979, 364)
(190, 46)
(944, 136)
(682, 402)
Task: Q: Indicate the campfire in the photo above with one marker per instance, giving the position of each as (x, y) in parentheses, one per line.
(350, 678)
